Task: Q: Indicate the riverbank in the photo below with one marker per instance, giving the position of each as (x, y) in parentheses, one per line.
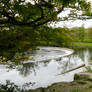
(76, 86)
(83, 85)
(82, 44)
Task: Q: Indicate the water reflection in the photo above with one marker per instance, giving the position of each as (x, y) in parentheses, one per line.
(43, 73)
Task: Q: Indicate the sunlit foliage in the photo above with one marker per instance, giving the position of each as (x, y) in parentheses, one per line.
(24, 24)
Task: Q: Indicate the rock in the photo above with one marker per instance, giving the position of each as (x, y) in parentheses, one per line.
(9, 62)
(31, 57)
(84, 76)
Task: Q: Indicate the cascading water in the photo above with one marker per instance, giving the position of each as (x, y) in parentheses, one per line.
(86, 57)
(43, 68)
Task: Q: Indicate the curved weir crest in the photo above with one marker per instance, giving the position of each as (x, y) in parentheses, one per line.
(43, 67)
(49, 53)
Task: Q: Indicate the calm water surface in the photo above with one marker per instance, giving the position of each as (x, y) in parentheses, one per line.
(45, 65)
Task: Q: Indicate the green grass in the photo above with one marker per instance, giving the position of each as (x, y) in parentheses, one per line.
(82, 82)
(89, 69)
(81, 44)
(90, 86)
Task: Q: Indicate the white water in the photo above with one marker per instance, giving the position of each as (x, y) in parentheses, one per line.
(42, 70)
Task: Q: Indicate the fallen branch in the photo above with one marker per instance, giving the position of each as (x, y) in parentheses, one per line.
(73, 69)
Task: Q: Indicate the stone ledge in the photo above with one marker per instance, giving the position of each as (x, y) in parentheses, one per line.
(83, 76)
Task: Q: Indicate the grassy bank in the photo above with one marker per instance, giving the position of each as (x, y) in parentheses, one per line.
(82, 44)
(76, 86)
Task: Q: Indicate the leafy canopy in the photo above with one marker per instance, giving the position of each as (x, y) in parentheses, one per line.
(23, 24)
(37, 12)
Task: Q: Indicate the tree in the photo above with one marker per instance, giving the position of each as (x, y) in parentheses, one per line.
(20, 21)
(37, 12)
(88, 34)
(79, 33)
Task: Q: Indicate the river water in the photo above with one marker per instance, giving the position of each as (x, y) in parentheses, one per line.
(45, 65)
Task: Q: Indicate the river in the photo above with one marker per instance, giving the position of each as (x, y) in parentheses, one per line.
(45, 65)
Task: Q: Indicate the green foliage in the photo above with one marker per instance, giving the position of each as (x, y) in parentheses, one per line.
(76, 77)
(79, 33)
(82, 82)
(88, 34)
(90, 86)
(82, 44)
(55, 36)
(17, 40)
(89, 69)
(22, 39)
(82, 36)
(33, 13)
(10, 87)
(24, 24)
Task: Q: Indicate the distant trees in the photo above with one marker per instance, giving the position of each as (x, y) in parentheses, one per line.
(89, 34)
(55, 36)
(82, 34)
(79, 33)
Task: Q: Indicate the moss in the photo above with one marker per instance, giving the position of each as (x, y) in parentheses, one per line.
(75, 90)
(89, 79)
(42, 90)
(90, 86)
(76, 77)
(82, 82)
(89, 69)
